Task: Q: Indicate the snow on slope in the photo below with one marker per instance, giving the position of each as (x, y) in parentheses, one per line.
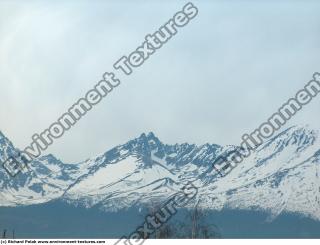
(282, 175)
(44, 179)
(128, 175)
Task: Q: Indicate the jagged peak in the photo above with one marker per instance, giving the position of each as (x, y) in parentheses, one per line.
(5, 141)
(304, 128)
(151, 135)
(297, 131)
(49, 157)
(148, 137)
(2, 136)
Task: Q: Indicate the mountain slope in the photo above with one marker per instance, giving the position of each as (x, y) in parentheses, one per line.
(281, 175)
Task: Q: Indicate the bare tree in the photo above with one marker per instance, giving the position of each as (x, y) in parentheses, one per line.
(166, 231)
(153, 208)
(200, 226)
(197, 216)
(161, 216)
(209, 231)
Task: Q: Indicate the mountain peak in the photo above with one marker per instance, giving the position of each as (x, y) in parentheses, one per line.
(2, 136)
(148, 135)
(148, 138)
(300, 129)
(50, 159)
(4, 141)
(151, 135)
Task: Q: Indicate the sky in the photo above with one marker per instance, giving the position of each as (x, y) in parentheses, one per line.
(221, 76)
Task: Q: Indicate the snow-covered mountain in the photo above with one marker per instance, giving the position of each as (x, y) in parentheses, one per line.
(282, 175)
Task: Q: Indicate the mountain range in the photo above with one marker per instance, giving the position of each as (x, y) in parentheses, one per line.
(280, 176)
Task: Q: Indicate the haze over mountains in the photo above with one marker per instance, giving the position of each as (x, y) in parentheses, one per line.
(281, 176)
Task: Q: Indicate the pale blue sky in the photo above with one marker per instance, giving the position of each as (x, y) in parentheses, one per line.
(221, 76)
